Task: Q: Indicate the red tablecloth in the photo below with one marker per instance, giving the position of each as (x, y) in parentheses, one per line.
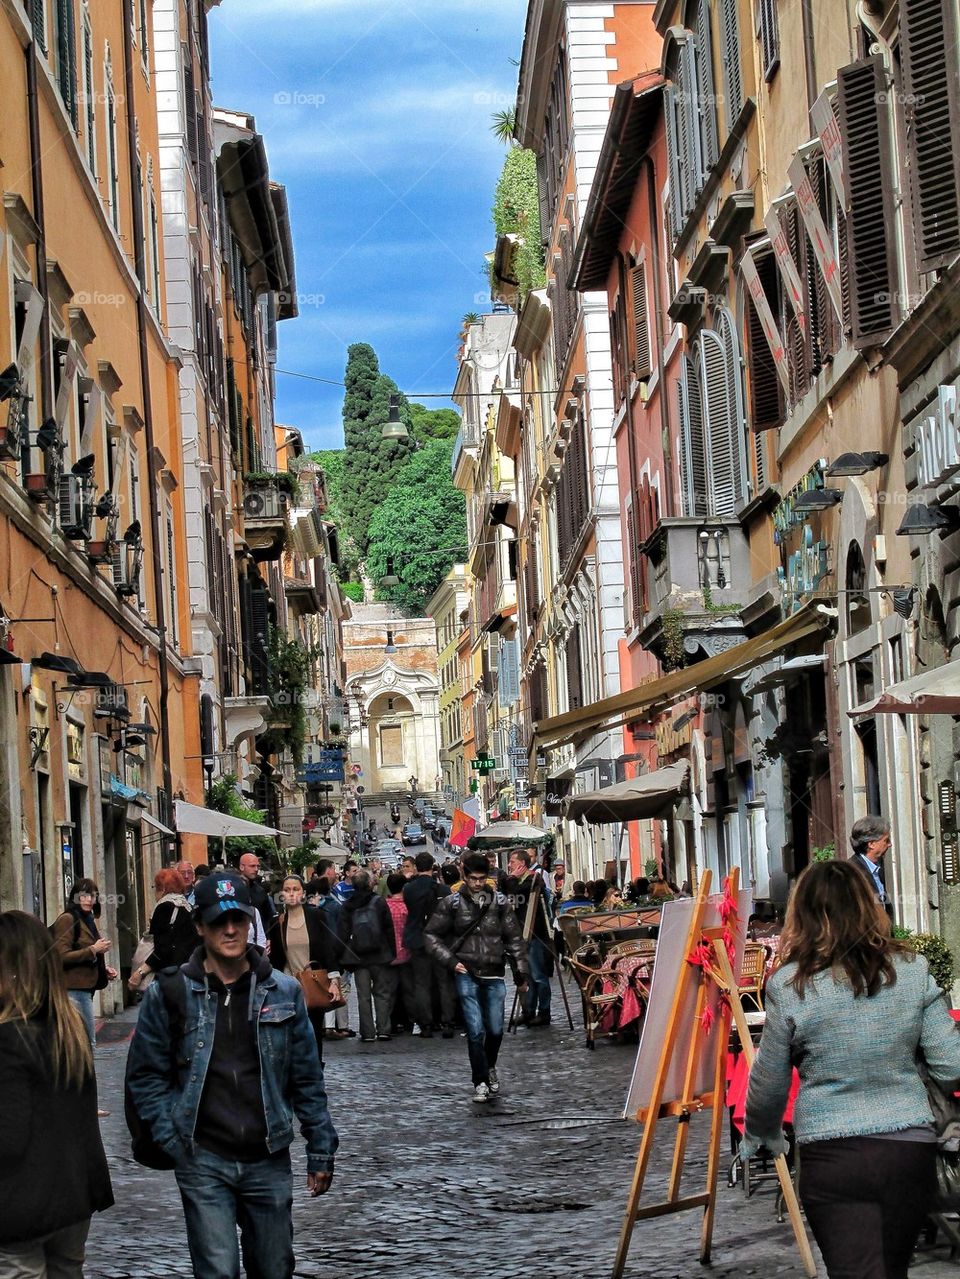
(737, 1078)
(625, 972)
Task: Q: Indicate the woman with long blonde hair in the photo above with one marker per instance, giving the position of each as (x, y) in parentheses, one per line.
(53, 1170)
(851, 1008)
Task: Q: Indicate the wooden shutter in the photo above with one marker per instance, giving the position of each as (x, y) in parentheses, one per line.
(825, 329)
(726, 482)
(67, 57)
(796, 341)
(733, 371)
(871, 218)
(616, 360)
(189, 101)
(574, 668)
(931, 98)
(633, 560)
(693, 456)
(730, 59)
(706, 93)
(38, 23)
(670, 110)
(769, 32)
(691, 159)
(641, 322)
(259, 638)
(766, 405)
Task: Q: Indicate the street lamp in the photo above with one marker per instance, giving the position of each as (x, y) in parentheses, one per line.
(389, 578)
(394, 429)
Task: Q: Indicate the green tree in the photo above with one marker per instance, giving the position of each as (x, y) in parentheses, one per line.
(421, 527)
(516, 211)
(434, 424)
(224, 797)
(371, 463)
(332, 462)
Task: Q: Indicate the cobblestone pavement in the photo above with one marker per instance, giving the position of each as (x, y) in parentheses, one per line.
(431, 1186)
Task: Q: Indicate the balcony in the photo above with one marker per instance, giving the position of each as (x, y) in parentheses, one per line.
(698, 573)
(264, 518)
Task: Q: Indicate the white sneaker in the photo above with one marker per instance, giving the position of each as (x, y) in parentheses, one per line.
(494, 1082)
(481, 1093)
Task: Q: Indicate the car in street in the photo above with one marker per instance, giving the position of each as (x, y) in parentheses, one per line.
(389, 851)
(428, 819)
(413, 833)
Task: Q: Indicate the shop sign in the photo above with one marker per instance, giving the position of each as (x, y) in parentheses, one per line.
(555, 791)
(936, 440)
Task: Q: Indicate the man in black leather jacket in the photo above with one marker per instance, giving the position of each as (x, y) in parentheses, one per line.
(472, 933)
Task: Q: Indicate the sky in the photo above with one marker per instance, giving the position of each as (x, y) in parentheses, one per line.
(376, 117)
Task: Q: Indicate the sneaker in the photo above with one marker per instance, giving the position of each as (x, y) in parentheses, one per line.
(384, 1036)
(481, 1093)
(368, 1039)
(494, 1082)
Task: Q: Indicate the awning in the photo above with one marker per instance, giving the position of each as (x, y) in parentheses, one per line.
(191, 819)
(128, 794)
(784, 673)
(933, 692)
(157, 826)
(804, 625)
(652, 795)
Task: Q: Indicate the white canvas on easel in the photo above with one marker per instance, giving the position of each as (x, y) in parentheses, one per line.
(671, 955)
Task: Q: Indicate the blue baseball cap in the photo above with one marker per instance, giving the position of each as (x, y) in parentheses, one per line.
(215, 895)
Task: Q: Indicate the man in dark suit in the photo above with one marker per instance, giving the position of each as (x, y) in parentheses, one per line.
(870, 840)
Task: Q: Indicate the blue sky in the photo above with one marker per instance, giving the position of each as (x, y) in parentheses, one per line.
(376, 117)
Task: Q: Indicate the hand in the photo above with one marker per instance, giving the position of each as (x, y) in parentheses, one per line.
(112, 973)
(135, 978)
(460, 968)
(318, 1183)
(100, 945)
(523, 987)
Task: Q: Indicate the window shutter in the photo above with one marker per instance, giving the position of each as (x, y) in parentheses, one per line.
(825, 334)
(37, 21)
(730, 57)
(931, 96)
(67, 57)
(706, 94)
(766, 409)
(634, 560)
(724, 445)
(259, 639)
(616, 360)
(871, 217)
(189, 101)
(691, 159)
(769, 32)
(797, 341)
(673, 160)
(733, 368)
(641, 323)
(693, 457)
(574, 669)
(509, 673)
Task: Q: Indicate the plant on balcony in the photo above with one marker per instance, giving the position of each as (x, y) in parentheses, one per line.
(671, 642)
(224, 797)
(710, 607)
(516, 211)
(285, 481)
(287, 684)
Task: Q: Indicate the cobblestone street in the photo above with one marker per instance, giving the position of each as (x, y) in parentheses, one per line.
(431, 1186)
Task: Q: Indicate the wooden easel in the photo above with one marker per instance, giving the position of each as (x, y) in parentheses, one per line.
(535, 903)
(691, 1102)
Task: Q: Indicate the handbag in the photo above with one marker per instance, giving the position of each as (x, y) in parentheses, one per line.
(319, 992)
(140, 956)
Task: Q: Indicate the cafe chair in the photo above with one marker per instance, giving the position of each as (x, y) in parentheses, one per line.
(753, 972)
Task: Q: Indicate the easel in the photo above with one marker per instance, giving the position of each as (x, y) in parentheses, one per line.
(691, 1102)
(535, 902)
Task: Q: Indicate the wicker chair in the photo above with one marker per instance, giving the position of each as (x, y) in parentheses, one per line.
(586, 966)
(753, 973)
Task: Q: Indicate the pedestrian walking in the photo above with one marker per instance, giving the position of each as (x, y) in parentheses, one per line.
(365, 929)
(220, 1097)
(82, 950)
(266, 910)
(188, 874)
(337, 1022)
(473, 932)
(173, 937)
(53, 1170)
(301, 937)
(420, 896)
(870, 841)
(404, 998)
(851, 1008)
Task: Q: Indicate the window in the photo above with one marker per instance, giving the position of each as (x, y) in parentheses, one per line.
(153, 248)
(574, 668)
(690, 115)
(730, 60)
(66, 45)
(768, 31)
(89, 94)
(556, 138)
(573, 494)
(712, 421)
(766, 398)
(171, 567)
(642, 365)
(113, 175)
(38, 23)
(871, 221)
(144, 34)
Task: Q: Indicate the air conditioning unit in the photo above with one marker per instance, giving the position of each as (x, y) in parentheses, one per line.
(262, 504)
(125, 567)
(73, 511)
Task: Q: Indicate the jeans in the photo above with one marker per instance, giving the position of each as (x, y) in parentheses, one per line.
(82, 1000)
(866, 1199)
(58, 1255)
(482, 1003)
(218, 1196)
(537, 998)
(427, 973)
(375, 986)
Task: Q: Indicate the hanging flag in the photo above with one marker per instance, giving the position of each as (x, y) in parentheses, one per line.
(462, 826)
(748, 269)
(828, 130)
(820, 237)
(788, 268)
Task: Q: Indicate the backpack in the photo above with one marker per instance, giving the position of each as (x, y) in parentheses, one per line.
(366, 933)
(145, 1150)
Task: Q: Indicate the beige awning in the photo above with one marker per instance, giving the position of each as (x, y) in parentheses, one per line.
(150, 820)
(191, 819)
(652, 795)
(804, 625)
(932, 692)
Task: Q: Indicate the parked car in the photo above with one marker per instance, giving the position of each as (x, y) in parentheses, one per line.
(389, 850)
(413, 833)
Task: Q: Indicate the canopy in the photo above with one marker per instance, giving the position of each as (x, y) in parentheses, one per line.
(157, 826)
(652, 795)
(636, 703)
(191, 819)
(932, 692)
(508, 835)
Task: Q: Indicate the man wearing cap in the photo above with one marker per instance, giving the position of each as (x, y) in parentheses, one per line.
(221, 1085)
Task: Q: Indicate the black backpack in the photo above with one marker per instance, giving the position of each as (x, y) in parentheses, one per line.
(145, 1150)
(366, 935)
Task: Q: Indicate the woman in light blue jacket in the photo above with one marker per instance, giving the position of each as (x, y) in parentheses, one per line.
(850, 1008)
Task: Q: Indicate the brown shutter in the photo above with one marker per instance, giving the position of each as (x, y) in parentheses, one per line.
(796, 341)
(931, 98)
(871, 218)
(766, 406)
(641, 324)
(616, 359)
(824, 326)
(574, 670)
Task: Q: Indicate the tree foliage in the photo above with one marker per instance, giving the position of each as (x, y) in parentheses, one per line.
(224, 797)
(516, 211)
(422, 515)
(434, 424)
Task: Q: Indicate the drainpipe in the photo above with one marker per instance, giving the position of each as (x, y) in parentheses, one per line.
(659, 310)
(142, 321)
(36, 186)
(809, 56)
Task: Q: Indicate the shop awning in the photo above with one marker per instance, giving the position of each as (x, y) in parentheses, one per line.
(150, 820)
(652, 795)
(191, 819)
(804, 625)
(933, 692)
(784, 673)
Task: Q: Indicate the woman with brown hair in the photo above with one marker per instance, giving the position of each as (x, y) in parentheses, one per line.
(171, 927)
(83, 951)
(850, 1008)
(302, 938)
(53, 1172)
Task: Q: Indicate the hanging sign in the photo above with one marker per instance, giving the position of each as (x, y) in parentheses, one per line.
(820, 237)
(748, 269)
(828, 130)
(788, 268)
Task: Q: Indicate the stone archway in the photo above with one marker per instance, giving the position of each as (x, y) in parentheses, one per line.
(399, 735)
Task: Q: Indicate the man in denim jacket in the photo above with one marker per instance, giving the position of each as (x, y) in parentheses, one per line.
(245, 1065)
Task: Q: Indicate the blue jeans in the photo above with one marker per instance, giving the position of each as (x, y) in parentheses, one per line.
(218, 1196)
(82, 1000)
(537, 998)
(482, 1003)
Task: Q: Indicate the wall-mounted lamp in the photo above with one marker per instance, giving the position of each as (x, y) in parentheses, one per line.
(920, 521)
(856, 463)
(390, 648)
(818, 499)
